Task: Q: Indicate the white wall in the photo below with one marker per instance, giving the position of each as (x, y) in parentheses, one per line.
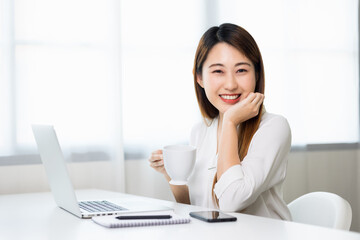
(333, 171)
(32, 178)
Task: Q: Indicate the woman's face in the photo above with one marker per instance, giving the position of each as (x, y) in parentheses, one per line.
(227, 76)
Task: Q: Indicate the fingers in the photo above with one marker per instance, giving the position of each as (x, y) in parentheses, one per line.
(261, 100)
(156, 155)
(254, 97)
(156, 159)
(253, 103)
(258, 99)
(245, 109)
(256, 102)
(158, 163)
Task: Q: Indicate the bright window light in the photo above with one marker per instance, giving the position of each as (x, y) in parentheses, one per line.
(106, 70)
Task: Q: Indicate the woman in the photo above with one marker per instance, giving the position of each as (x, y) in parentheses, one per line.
(241, 149)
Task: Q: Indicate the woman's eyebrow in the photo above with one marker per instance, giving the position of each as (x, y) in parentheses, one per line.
(216, 65)
(243, 63)
(236, 65)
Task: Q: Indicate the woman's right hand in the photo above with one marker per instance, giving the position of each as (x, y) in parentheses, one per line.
(157, 162)
(180, 192)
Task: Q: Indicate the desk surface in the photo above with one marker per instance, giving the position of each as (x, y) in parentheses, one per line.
(36, 216)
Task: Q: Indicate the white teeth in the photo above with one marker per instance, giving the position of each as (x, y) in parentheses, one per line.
(230, 97)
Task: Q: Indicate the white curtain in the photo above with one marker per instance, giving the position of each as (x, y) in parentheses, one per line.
(60, 65)
(159, 42)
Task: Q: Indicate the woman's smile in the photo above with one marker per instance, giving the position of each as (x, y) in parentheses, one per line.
(230, 98)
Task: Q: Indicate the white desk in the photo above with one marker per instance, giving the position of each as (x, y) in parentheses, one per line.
(36, 216)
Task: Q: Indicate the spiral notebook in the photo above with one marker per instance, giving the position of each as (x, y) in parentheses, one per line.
(113, 222)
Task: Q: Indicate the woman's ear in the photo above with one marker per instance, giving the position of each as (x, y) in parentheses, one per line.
(199, 80)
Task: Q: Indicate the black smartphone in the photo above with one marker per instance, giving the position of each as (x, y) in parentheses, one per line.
(213, 216)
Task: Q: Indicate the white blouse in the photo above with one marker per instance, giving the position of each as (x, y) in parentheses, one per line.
(252, 187)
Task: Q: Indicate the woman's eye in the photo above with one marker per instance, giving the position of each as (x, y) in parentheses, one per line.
(242, 70)
(217, 71)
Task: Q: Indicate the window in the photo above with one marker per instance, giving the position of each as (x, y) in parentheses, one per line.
(60, 64)
(158, 47)
(61, 67)
(310, 53)
(309, 48)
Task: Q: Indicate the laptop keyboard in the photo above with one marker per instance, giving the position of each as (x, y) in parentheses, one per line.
(100, 206)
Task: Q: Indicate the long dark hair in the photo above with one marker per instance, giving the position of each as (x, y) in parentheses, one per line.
(239, 38)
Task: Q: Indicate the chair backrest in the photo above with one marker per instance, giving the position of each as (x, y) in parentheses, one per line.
(322, 209)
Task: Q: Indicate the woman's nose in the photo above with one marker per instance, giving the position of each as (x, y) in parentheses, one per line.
(230, 82)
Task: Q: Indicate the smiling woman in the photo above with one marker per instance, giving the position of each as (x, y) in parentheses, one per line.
(242, 149)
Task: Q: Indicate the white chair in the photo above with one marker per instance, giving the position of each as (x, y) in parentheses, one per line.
(322, 209)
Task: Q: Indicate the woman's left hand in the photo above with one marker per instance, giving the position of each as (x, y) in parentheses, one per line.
(245, 109)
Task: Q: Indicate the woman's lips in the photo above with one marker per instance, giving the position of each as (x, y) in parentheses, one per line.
(230, 98)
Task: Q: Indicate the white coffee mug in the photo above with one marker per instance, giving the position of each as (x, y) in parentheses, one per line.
(179, 161)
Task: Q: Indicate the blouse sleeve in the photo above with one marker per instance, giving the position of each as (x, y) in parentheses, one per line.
(263, 167)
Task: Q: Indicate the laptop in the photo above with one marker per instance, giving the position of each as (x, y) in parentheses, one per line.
(62, 188)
